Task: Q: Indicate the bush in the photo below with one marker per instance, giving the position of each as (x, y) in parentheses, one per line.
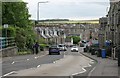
(43, 46)
(11, 31)
(25, 38)
(76, 39)
(23, 52)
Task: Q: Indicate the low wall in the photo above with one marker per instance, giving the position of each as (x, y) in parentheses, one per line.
(8, 52)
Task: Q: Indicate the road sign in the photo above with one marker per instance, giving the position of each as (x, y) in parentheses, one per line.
(5, 25)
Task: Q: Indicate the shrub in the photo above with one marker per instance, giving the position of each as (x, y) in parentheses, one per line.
(8, 32)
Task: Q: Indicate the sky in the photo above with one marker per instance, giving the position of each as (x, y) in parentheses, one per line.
(68, 9)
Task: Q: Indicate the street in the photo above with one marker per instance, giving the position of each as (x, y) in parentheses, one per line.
(67, 64)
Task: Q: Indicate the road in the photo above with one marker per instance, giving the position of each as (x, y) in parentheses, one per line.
(66, 64)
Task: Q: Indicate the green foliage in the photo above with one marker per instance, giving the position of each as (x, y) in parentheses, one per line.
(90, 36)
(43, 46)
(15, 13)
(76, 39)
(20, 39)
(24, 52)
(41, 41)
(9, 32)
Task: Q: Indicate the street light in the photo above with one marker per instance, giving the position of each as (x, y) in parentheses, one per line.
(6, 26)
(38, 9)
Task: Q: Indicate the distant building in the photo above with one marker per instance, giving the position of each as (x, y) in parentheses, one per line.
(102, 31)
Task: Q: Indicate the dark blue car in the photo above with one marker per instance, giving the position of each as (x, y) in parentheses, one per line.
(54, 50)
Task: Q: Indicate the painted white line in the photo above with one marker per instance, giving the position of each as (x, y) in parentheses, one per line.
(38, 66)
(91, 61)
(79, 72)
(84, 70)
(8, 73)
(89, 65)
(28, 59)
(13, 62)
(91, 71)
(35, 57)
(54, 62)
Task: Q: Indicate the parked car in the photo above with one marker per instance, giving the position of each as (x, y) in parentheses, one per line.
(54, 49)
(74, 49)
(62, 47)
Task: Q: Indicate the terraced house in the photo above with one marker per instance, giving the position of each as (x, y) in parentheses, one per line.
(110, 28)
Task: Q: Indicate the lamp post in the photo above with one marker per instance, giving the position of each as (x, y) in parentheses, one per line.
(38, 9)
(6, 26)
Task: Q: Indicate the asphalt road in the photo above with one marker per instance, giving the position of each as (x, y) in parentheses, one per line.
(27, 61)
(35, 61)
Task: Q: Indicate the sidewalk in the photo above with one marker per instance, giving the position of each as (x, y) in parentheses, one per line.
(104, 67)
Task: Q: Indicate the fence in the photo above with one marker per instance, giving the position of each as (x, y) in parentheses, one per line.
(6, 42)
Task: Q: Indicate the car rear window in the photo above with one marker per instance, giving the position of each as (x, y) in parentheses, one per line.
(61, 45)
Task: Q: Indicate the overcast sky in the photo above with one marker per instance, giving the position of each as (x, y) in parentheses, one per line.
(68, 9)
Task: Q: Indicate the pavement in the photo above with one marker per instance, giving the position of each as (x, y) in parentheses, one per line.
(104, 66)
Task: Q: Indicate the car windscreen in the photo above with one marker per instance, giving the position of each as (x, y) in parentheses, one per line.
(74, 47)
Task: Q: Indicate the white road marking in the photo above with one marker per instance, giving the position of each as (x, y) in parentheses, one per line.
(35, 57)
(92, 61)
(13, 62)
(91, 71)
(54, 62)
(79, 72)
(84, 70)
(28, 59)
(38, 66)
(8, 73)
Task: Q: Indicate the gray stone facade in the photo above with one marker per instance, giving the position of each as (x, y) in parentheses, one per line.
(113, 28)
(102, 31)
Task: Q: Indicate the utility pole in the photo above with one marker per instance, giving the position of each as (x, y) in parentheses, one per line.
(38, 9)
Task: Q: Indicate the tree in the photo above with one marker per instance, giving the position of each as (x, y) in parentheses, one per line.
(15, 13)
(76, 39)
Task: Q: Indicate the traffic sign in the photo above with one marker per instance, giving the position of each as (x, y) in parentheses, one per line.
(5, 25)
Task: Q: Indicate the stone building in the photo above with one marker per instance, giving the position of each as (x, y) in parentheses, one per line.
(83, 30)
(51, 34)
(112, 29)
(114, 22)
(102, 31)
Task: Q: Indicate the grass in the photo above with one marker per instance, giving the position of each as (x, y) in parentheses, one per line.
(23, 52)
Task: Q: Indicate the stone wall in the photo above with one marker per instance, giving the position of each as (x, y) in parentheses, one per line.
(8, 52)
